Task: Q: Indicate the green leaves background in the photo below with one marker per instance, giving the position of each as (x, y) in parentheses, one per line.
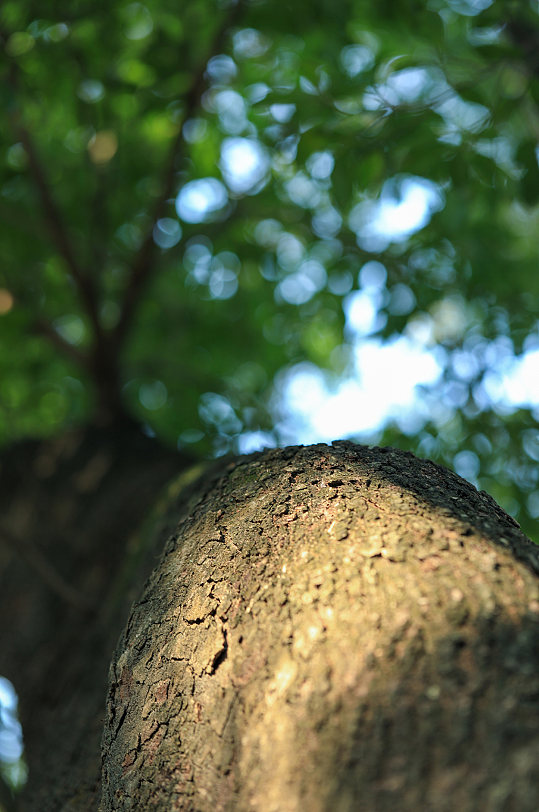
(119, 123)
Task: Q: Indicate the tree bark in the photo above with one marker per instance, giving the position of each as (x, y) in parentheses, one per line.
(77, 540)
(330, 628)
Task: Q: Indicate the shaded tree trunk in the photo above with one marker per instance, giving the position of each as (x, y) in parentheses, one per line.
(328, 628)
(77, 538)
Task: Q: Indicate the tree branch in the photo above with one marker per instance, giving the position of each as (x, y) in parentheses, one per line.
(45, 328)
(102, 363)
(142, 265)
(51, 211)
(57, 228)
(102, 359)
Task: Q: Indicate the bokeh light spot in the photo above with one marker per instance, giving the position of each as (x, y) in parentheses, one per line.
(356, 58)
(139, 21)
(153, 395)
(103, 146)
(91, 91)
(244, 163)
(6, 301)
(198, 200)
(19, 43)
(167, 233)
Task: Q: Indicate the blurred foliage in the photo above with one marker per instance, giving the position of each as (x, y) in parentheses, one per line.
(305, 115)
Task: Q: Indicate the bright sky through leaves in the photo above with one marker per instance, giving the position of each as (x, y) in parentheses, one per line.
(200, 199)
(387, 374)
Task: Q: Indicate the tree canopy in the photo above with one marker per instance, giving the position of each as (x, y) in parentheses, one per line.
(199, 201)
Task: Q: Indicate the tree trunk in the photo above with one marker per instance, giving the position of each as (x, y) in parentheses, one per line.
(328, 628)
(77, 536)
(331, 629)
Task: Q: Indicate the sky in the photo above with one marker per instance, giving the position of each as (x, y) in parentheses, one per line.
(387, 377)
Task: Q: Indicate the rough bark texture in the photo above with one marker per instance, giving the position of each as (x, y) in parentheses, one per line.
(331, 628)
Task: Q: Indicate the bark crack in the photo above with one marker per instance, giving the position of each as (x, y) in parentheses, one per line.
(221, 655)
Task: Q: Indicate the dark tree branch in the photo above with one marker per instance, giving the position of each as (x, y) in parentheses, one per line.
(45, 328)
(142, 265)
(102, 360)
(57, 229)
